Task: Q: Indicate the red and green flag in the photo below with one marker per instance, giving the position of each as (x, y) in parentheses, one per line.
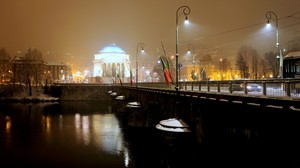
(121, 83)
(167, 61)
(167, 74)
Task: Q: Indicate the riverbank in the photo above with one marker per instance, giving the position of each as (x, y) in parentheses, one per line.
(12, 94)
(29, 99)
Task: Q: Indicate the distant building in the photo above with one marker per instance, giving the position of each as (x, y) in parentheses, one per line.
(59, 72)
(25, 70)
(291, 65)
(110, 64)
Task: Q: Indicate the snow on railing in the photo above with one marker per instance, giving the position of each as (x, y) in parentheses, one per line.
(289, 88)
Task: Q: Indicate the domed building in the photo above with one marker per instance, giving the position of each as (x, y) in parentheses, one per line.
(110, 62)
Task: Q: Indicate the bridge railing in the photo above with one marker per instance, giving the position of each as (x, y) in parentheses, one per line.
(280, 88)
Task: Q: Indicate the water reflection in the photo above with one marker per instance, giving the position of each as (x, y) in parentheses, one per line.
(90, 134)
(8, 124)
(66, 134)
(102, 130)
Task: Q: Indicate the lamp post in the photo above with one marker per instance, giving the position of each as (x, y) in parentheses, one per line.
(136, 104)
(139, 46)
(186, 11)
(221, 68)
(175, 124)
(269, 15)
(191, 50)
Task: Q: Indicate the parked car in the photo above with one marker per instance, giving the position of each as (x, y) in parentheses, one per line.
(251, 87)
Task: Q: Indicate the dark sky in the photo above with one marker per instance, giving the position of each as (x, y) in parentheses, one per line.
(74, 30)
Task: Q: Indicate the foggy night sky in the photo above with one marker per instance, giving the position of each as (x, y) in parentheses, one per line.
(74, 30)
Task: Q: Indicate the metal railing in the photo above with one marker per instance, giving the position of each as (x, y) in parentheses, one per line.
(278, 88)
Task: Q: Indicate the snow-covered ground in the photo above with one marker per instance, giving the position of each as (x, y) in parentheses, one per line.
(19, 93)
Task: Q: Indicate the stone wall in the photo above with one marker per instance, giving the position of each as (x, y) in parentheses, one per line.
(81, 92)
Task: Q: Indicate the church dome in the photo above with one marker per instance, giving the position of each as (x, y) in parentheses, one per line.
(112, 48)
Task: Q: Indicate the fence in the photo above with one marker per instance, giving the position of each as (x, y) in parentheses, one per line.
(279, 88)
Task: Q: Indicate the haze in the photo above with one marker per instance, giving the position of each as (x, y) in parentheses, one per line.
(74, 30)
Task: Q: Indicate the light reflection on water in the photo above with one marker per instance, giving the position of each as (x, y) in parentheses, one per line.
(90, 134)
(66, 134)
(8, 124)
(102, 130)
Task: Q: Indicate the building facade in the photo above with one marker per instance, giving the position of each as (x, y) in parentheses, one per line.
(59, 72)
(112, 64)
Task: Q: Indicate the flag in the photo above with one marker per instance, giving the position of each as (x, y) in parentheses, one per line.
(166, 71)
(120, 80)
(130, 77)
(167, 61)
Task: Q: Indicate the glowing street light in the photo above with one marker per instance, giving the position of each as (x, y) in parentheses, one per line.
(186, 11)
(269, 15)
(139, 46)
(176, 124)
(191, 50)
(136, 104)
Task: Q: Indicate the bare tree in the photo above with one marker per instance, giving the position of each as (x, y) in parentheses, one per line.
(272, 63)
(262, 69)
(250, 58)
(33, 68)
(205, 62)
(224, 66)
(241, 64)
(254, 63)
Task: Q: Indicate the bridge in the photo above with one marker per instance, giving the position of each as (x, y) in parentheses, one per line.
(281, 93)
(204, 105)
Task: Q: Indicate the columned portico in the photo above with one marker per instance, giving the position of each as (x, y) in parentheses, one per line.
(110, 62)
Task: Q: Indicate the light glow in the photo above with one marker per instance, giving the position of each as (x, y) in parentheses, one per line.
(186, 22)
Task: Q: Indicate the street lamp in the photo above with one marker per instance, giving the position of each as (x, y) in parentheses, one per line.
(176, 124)
(136, 104)
(191, 52)
(139, 46)
(269, 15)
(186, 11)
(221, 68)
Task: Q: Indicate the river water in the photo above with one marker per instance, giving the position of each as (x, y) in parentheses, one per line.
(92, 134)
(78, 134)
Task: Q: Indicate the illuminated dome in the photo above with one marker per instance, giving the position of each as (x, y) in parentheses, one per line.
(111, 61)
(112, 48)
